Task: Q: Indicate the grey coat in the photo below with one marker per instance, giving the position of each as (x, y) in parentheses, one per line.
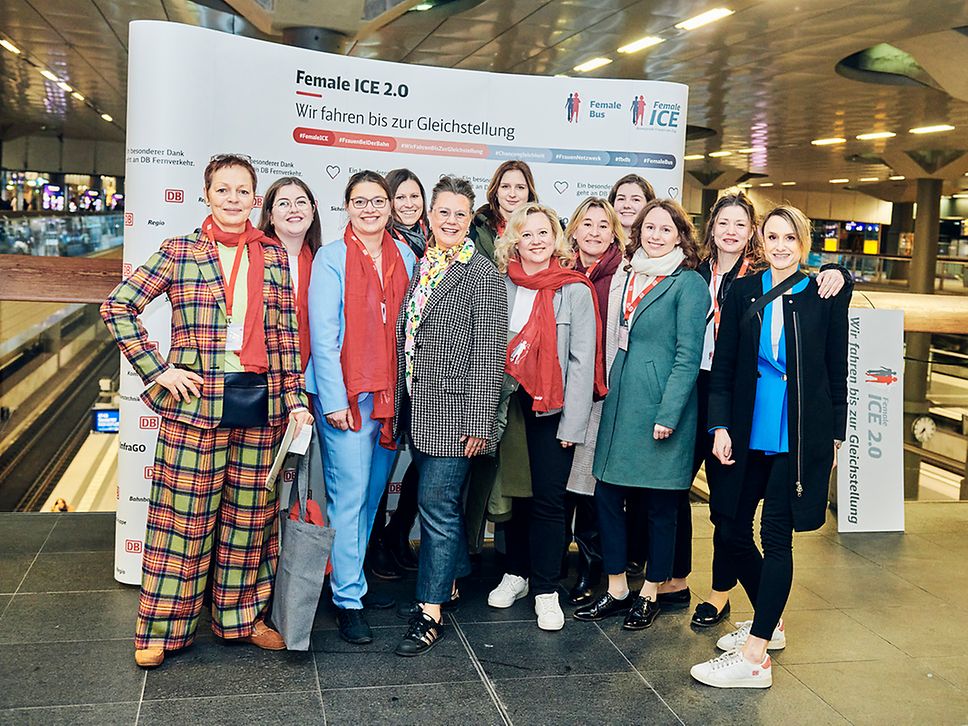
(575, 318)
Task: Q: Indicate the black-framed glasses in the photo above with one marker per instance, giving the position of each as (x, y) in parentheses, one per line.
(361, 202)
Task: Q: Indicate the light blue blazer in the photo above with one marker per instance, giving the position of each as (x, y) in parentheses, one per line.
(324, 374)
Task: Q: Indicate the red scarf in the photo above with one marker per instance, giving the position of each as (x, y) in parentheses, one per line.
(369, 354)
(532, 358)
(600, 275)
(253, 355)
(305, 266)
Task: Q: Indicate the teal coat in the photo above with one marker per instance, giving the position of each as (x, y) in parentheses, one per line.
(654, 381)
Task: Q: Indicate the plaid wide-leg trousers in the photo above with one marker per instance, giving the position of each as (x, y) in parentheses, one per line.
(208, 492)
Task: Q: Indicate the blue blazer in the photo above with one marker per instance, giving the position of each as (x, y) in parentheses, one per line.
(324, 374)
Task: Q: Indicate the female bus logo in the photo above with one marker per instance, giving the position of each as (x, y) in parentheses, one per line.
(572, 107)
(882, 375)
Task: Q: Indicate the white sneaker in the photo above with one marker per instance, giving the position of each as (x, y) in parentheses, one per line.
(737, 639)
(510, 588)
(549, 613)
(732, 670)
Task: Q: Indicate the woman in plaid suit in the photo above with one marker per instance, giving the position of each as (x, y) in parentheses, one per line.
(232, 318)
(451, 346)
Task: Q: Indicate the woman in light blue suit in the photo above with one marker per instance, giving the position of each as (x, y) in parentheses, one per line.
(355, 293)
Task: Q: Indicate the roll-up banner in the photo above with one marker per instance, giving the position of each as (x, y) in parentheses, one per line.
(193, 93)
(870, 476)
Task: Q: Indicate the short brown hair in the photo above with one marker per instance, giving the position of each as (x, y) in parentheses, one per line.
(223, 161)
(314, 235)
(642, 183)
(490, 210)
(684, 226)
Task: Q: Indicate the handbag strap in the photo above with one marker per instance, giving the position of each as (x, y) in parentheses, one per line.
(302, 481)
(772, 294)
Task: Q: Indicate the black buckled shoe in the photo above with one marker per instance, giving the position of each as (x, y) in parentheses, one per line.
(408, 611)
(641, 615)
(353, 627)
(707, 616)
(422, 635)
(583, 591)
(674, 600)
(604, 607)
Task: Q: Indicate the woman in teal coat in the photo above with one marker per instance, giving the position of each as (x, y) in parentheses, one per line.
(648, 428)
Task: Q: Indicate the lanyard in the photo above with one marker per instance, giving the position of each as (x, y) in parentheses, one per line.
(631, 304)
(716, 312)
(387, 273)
(230, 282)
(588, 272)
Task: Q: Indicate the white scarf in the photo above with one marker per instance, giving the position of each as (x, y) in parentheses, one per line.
(642, 264)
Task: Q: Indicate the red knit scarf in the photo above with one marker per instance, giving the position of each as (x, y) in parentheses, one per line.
(369, 354)
(532, 358)
(305, 267)
(253, 355)
(600, 275)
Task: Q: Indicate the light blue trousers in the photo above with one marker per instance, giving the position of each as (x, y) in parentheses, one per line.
(356, 468)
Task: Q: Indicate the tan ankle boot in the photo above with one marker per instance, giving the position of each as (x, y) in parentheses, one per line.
(149, 657)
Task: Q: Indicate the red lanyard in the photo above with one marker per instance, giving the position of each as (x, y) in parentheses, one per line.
(387, 272)
(631, 304)
(229, 283)
(716, 312)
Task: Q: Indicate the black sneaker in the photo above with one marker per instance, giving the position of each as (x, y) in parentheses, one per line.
(423, 634)
(353, 627)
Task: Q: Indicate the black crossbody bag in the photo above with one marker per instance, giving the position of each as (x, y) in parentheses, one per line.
(773, 294)
(245, 401)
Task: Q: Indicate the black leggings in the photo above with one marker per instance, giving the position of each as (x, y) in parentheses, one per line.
(403, 517)
(767, 578)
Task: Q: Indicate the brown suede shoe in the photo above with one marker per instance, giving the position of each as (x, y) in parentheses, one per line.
(265, 637)
(149, 657)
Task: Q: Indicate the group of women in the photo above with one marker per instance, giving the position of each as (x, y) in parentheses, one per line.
(563, 382)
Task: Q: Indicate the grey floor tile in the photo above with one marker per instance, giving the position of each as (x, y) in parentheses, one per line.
(12, 571)
(893, 549)
(948, 583)
(936, 517)
(57, 674)
(917, 632)
(897, 690)
(212, 668)
(520, 650)
(801, 597)
(107, 714)
(82, 532)
(953, 668)
(474, 607)
(342, 665)
(281, 709)
(73, 616)
(63, 572)
(24, 533)
(444, 703)
(787, 702)
(862, 586)
(625, 698)
(825, 552)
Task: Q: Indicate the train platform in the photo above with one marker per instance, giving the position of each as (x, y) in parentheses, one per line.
(875, 629)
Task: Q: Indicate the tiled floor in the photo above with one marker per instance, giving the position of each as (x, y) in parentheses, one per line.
(876, 626)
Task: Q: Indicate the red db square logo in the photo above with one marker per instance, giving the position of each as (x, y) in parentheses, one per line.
(174, 196)
(289, 475)
(126, 269)
(149, 472)
(258, 200)
(129, 219)
(149, 422)
(132, 545)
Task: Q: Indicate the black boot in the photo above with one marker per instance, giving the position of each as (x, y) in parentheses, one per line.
(589, 567)
(381, 562)
(403, 553)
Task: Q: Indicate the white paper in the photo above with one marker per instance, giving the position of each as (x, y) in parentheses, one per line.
(300, 443)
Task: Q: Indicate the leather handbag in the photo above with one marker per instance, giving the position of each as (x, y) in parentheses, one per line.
(245, 401)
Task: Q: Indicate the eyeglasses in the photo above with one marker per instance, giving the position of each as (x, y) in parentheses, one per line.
(223, 157)
(361, 202)
(459, 215)
(284, 205)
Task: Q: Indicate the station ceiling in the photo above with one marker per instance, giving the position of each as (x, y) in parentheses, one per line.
(763, 78)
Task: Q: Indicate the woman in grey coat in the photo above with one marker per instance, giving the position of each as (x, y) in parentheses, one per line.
(554, 354)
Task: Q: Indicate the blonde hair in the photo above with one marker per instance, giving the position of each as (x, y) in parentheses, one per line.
(798, 221)
(506, 247)
(618, 231)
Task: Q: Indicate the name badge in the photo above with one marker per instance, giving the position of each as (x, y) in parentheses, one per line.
(623, 337)
(233, 337)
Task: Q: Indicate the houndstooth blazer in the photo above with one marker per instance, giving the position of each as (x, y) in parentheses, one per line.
(459, 354)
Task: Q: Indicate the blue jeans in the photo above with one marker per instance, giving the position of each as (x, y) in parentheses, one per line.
(443, 541)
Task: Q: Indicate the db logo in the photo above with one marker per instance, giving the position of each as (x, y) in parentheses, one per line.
(126, 269)
(132, 545)
(175, 196)
(289, 475)
(393, 488)
(149, 422)
(258, 200)
(149, 472)
(129, 219)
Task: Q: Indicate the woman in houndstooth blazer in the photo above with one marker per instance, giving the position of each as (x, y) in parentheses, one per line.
(451, 340)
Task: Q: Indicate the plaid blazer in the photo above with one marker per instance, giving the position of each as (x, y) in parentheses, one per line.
(459, 354)
(187, 270)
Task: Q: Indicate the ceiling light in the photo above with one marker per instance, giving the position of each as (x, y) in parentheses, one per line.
(839, 181)
(641, 44)
(869, 179)
(592, 64)
(48, 75)
(750, 150)
(828, 142)
(898, 177)
(959, 196)
(932, 129)
(10, 46)
(788, 184)
(710, 16)
(64, 87)
(874, 135)
(718, 154)
(693, 157)
(766, 184)
(78, 96)
(422, 6)
(107, 117)
(745, 185)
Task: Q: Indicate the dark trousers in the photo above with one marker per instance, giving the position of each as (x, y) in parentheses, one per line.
(767, 578)
(581, 509)
(535, 534)
(401, 521)
(661, 511)
(637, 531)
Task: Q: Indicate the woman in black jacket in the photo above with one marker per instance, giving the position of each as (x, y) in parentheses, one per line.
(778, 406)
